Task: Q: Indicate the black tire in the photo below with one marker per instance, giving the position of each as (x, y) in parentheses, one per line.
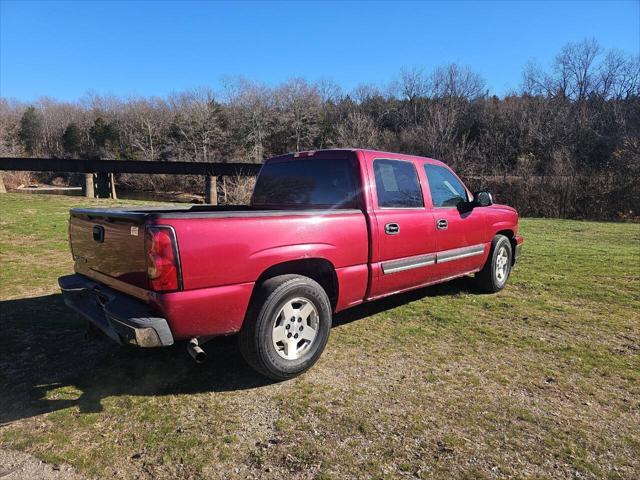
(255, 338)
(488, 279)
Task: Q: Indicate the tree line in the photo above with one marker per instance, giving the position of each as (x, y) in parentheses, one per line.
(565, 144)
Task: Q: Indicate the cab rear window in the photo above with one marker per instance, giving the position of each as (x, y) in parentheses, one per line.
(304, 183)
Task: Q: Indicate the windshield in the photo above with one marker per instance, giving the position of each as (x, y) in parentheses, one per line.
(312, 182)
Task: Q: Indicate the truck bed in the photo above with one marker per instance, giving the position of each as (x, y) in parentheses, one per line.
(222, 250)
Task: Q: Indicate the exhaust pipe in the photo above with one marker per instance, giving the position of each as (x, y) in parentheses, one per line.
(196, 352)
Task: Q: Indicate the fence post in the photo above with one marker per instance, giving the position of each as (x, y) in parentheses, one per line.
(112, 183)
(211, 190)
(2, 187)
(89, 191)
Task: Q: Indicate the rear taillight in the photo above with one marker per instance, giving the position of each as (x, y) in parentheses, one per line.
(163, 269)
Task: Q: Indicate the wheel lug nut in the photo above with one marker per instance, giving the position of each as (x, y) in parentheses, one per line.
(295, 336)
(293, 319)
(288, 335)
(288, 327)
(300, 320)
(301, 328)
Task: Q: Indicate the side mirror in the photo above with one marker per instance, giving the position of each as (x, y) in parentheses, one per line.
(482, 199)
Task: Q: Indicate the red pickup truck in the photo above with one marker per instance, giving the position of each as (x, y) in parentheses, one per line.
(325, 230)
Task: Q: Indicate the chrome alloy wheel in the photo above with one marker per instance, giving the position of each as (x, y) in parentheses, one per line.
(295, 328)
(502, 264)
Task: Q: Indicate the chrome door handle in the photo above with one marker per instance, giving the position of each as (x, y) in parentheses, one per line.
(392, 229)
(442, 224)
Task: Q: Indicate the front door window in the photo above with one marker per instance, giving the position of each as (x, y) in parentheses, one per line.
(446, 189)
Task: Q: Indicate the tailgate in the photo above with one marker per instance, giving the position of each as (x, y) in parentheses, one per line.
(111, 246)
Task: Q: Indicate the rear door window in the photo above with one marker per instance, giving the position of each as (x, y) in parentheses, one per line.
(397, 184)
(446, 189)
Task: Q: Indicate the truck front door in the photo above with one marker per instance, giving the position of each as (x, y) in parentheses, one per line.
(459, 231)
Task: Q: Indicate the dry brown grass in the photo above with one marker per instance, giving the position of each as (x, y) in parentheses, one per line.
(15, 179)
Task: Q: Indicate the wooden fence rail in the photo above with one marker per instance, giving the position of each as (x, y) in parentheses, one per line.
(90, 167)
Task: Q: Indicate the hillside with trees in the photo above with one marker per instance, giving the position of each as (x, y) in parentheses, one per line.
(565, 144)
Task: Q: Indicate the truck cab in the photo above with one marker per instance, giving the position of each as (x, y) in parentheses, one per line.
(429, 227)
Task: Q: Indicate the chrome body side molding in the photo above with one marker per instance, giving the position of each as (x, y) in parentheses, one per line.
(408, 263)
(458, 253)
(394, 266)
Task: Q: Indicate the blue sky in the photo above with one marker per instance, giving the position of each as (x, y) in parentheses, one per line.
(65, 49)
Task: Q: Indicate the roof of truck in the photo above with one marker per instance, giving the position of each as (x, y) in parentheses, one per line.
(367, 152)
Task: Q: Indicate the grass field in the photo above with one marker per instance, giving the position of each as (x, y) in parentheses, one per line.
(541, 380)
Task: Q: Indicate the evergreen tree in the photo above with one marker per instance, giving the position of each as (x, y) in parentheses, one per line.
(72, 139)
(30, 130)
(104, 136)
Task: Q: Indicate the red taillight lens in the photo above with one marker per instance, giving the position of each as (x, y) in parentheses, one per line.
(162, 261)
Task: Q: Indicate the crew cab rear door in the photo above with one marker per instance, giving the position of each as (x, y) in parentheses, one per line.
(459, 231)
(404, 228)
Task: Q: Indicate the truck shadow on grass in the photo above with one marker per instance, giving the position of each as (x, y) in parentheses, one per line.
(47, 364)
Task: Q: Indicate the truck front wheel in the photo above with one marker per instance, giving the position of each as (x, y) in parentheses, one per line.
(287, 326)
(493, 276)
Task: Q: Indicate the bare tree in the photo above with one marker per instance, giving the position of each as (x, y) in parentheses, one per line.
(199, 123)
(357, 130)
(535, 80)
(619, 75)
(252, 114)
(575, 69)
(145, 122)
(455, 81)
(299, 106)
(10, 114)
(364, 92)
(413, 85)
(329, 90)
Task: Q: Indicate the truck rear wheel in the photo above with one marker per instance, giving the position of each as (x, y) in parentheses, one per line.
(287, 326)
(493, 276)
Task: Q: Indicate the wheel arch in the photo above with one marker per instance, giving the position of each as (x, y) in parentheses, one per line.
(319, 269)
(510, 234)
